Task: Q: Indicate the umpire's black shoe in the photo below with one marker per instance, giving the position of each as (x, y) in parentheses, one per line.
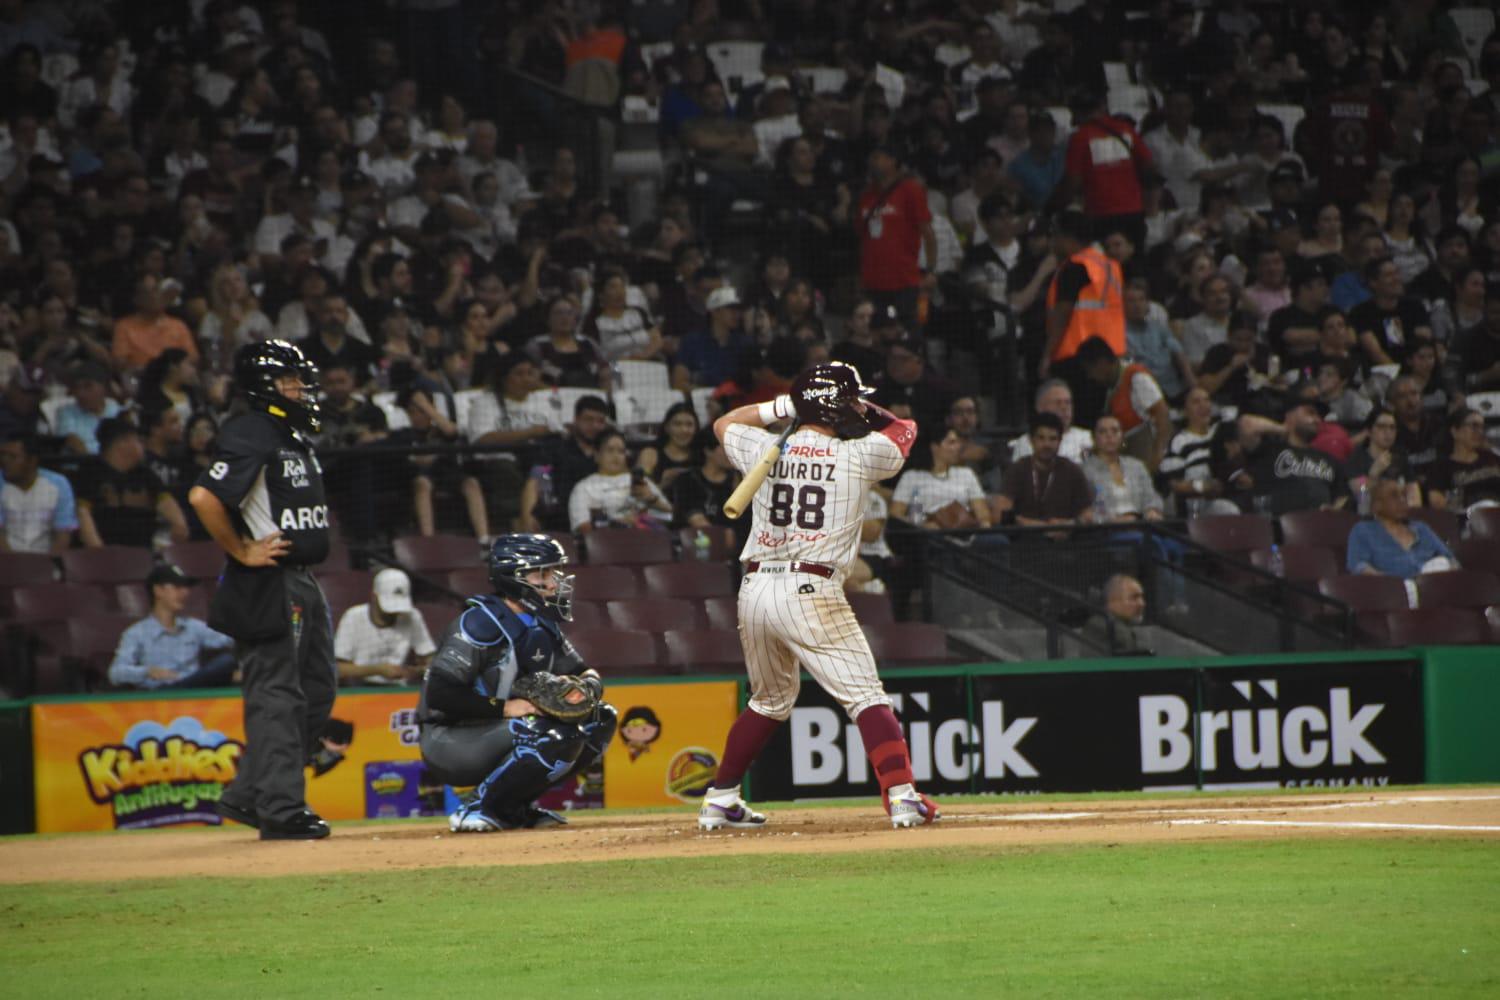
(230, 811)
(306, 825)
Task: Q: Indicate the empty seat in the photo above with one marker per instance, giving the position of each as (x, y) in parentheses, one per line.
(656, 614)
(1328, 528)
(627, 547)
(437, 553)
(1232, 534)
(1370, 598)
(344, 590)
(108, 564)
(1479, 553)
(1444, 523)
(438, 615)
(199, 560)
(337, 559)
(20, 569)
(1484, 522)
(1492, 617)
(1459, 588)
(912, 643)
(1437, 627)
(93, 639)
(688, 579)
(722, 612)
(872, 609)
(1301, 562)
(56, 602)
(470, 581)
(605, 583)
(619, 652)
(587, 615)
(721, 543)
(704, 651)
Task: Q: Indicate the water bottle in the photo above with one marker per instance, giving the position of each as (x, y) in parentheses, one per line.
(1101, 506)
(1278, 566)
(546, 493)
(1364, 498)
(701, 546)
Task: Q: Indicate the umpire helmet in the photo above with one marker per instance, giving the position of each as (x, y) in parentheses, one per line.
(514, 556)
(256, 369)
(826, 394)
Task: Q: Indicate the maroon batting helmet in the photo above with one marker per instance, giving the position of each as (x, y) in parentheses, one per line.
(825, 394)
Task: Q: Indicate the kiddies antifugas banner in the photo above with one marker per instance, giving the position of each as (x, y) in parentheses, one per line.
(1313, 724)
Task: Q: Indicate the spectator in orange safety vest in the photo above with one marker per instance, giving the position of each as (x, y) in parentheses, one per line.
(1086, 298)
(1134, 398)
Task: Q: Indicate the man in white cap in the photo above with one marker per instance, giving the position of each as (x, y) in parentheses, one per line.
(385, 641)
(715, 355)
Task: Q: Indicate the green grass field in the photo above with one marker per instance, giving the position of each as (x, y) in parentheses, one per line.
(1349, 917)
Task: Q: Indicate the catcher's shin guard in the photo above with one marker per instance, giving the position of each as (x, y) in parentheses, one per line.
(542, 753)
(596, 736)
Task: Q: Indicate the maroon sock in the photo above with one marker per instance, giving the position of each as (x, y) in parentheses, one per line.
(747, 737)
(885, 746)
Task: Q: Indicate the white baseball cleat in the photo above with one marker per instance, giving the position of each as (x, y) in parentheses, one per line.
(471, 820)
(912, 808)
(730, 810)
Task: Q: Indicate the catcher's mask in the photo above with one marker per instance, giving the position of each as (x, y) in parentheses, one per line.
(513, 557)
(256, 369)
(826, 394)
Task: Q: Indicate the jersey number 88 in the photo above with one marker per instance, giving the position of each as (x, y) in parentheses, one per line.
(809, 504)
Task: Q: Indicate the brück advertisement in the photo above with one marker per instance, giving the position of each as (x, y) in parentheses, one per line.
(1257, 727)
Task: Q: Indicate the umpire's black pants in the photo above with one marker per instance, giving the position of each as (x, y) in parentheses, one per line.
(289, 684)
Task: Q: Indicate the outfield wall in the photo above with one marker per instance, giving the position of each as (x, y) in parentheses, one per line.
(1372, 718)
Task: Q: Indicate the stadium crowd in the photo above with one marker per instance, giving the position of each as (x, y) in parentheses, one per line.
(1173, 259)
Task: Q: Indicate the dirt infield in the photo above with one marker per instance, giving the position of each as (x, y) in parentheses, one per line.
(1471, 812)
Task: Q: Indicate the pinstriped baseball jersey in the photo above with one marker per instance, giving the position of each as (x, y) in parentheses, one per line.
(809, 509)
(811, 505)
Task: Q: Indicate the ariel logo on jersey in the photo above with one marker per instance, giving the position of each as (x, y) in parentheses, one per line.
(808, 451)
(304, 518)
(690, 772)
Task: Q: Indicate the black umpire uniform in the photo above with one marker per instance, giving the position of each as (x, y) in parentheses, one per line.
(267, 478)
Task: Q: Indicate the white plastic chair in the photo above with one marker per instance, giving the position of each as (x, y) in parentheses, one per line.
(824, 79)
(646, 375)
(462, 400)
(396, 418)
(1474, 25)
(639, 412)
(736, 59)
(1290, 116)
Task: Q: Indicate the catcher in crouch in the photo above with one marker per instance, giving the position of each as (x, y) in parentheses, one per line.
(499, 707)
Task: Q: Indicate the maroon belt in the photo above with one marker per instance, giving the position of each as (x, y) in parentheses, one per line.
(816, 569)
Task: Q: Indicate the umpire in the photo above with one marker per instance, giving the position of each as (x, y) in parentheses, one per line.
(262, 501)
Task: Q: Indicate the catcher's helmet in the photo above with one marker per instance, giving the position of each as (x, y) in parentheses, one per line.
(825, 394)
(513, 556)
(256, 369)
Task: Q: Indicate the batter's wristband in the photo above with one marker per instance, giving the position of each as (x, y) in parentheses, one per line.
(776, 409)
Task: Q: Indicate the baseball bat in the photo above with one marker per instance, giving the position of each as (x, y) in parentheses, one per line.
(740, 499)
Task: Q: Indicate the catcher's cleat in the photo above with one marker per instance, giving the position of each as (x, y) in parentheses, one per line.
(538, 818)
(731, 812)
(472, 820)
(912, 808)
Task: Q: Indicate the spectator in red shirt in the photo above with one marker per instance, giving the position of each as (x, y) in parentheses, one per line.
(1105, 161)
(894, 226)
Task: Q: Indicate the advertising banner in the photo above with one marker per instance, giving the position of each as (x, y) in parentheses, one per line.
(819, 753)
(131, 764)
(668, 745)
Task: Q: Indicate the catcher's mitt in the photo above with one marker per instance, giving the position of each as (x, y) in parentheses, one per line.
(560, 696)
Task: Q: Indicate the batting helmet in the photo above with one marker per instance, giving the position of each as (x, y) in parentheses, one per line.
(512, 557)
(257, 367)
(826, 394)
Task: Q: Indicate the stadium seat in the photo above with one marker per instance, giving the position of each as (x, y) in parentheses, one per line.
(619, 653)
(587, 615)
(199, 560)
(1459, 588)
(1437, 627)
(344, 590)
(438, 615)
(1371, 598)
(1479, 553)
(605, 583)
(1326, 528)
(626, 547)
(656, 614)
(909, 643)
(704, 651)
(338, 556)
(1301, 562)
(721, 543)
(1444, 523)
(56, 602)
(20, 569)
(688, 579)
(722, 612)
(1492, 617)
(109, 564)
(1232, 534)
(437, 553)
(872, 609)
(469, 581)
(1484, 522)
(92, 641)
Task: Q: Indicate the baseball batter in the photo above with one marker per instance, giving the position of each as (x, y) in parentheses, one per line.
(792, 610)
